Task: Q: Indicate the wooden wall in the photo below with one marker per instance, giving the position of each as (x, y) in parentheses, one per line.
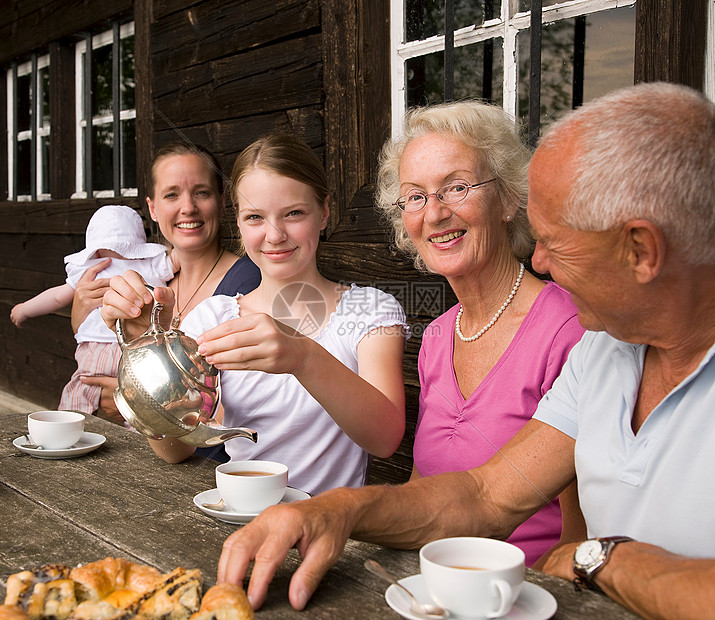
(221, 73)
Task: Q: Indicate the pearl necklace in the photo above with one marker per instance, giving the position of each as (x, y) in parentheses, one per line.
(457, 327)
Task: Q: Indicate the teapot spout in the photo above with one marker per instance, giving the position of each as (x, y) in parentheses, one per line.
(211, 434)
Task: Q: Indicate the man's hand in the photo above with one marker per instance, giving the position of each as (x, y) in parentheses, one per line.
(318, 528)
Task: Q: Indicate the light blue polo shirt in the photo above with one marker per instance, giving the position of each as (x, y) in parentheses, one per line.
(657, 486)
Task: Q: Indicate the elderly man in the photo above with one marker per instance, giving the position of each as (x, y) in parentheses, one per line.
(622, 206)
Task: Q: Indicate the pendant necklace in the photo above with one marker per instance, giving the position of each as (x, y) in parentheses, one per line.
(457, 327)
(177, 318)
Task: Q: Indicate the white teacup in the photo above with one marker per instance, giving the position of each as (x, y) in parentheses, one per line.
(55, 430)
(251, 486)
(473, 577)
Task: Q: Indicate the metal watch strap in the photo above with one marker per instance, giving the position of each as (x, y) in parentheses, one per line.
(584, 579)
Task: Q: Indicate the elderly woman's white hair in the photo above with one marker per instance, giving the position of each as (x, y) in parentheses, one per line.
(648, 153)
(493, 135)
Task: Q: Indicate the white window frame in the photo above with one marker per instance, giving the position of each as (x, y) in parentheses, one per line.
(99, 40)
(507, 26)
(43, 129)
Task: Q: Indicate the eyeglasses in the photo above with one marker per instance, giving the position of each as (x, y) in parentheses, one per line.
(450, 194)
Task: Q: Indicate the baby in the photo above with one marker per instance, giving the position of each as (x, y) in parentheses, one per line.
(115, 232)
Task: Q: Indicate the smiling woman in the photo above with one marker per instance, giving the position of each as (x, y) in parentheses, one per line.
(454, 188)
(314, 366)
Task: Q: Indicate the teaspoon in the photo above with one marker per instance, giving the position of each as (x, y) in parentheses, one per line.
(423, 609)
(217, 506)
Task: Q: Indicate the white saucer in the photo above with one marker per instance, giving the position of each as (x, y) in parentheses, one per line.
(212, 497)
(87, 442)
(534, 603)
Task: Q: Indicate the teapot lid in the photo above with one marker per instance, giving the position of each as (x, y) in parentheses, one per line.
(185, 353)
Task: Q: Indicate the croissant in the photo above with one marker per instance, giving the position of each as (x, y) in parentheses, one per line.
(224, 601)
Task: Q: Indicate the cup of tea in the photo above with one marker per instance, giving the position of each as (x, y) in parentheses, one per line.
(55, 430)
(249, 487)
(473, 577)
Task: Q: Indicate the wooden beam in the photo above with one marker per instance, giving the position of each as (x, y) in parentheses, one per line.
(356, 82)
(62, 119)
(670, 41)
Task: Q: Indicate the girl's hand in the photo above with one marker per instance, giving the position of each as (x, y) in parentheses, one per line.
(128, 298)
(255, 342)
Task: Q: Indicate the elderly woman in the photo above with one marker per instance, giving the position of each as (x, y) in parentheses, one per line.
(454, 188)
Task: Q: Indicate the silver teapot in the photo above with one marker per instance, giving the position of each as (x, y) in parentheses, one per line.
(167, 389)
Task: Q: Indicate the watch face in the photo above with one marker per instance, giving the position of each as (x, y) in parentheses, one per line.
(588, 552)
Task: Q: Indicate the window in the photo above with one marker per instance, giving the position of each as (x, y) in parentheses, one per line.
(105, 114)
(28, 122)
(587, 48)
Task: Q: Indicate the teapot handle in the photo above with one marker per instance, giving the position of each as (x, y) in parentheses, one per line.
(154, 328)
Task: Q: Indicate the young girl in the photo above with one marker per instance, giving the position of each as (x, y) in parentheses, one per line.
(312, 365)
(116, 232)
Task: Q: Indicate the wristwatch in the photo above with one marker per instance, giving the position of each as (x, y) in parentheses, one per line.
(591, 556)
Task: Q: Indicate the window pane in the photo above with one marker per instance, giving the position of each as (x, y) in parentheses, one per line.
(129, 158)
(24, 168)
(425, 18)
(102, 157)
(127, 77)
(102, 81)
(477, 74)
(23, 107)
(44, 96)
(610, 51)
(608, 60)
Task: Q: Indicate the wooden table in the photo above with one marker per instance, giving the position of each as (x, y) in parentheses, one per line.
(122, 500)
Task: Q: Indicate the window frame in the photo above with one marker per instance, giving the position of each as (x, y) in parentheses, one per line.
(112, 37)
(37, 131)
(507, 27)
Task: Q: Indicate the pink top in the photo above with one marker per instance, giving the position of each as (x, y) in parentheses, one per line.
(454, 434)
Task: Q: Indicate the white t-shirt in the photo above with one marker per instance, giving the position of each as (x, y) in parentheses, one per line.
(156, 270)
(292, 426)
(657, 485)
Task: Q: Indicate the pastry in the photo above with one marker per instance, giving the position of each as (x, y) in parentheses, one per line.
(12, 612)
(95, 581)
(224, 601)
(109, 589)
(176, 598)
(20, 586)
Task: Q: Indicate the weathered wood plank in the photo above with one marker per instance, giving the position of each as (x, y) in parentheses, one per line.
(37, 360)
(229, 137)
(53, 216)
(29, 25)
(357, 99)
(670, 41)
(279, 77)
(216, 28)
